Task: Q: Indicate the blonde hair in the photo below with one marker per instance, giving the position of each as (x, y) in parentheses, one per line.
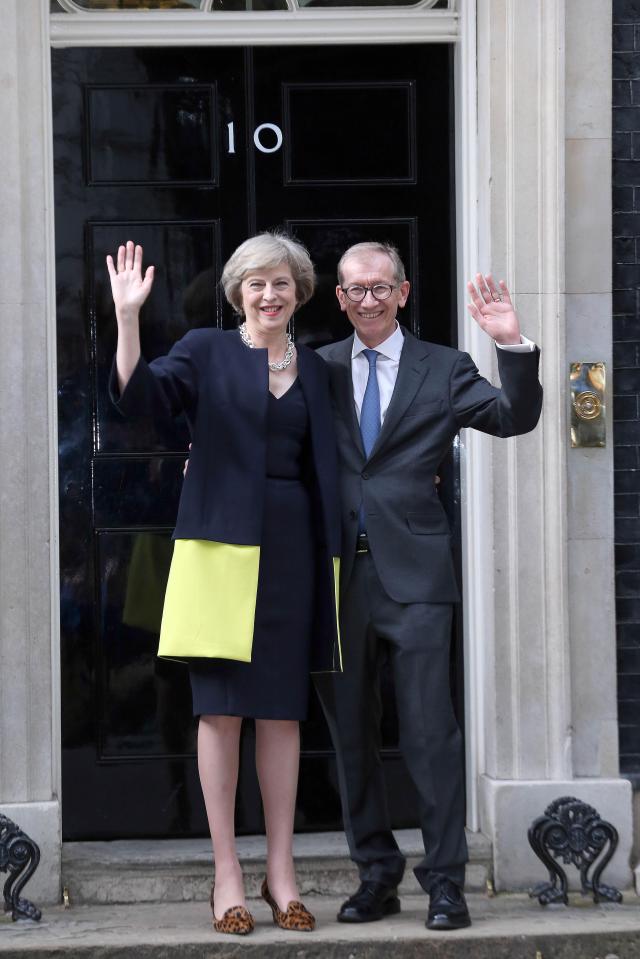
(387, 249)
(264, 252)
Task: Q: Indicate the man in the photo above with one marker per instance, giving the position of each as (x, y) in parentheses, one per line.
(398, 404)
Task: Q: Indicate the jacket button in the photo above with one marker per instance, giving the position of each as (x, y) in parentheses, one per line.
(365, 475)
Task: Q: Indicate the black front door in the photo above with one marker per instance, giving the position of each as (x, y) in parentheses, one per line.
(189, 152)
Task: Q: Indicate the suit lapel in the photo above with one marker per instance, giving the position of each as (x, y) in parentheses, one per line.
(412, 370)
(342, 382)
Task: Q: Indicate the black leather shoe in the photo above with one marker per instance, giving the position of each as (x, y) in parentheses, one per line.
(447, 906)
(373, 900)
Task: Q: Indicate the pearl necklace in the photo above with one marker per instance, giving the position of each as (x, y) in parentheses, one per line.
(286, 359)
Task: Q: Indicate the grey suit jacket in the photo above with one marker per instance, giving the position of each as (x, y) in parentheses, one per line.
(438, 391)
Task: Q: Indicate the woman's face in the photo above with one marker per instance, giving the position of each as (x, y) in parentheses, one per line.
(268, 299)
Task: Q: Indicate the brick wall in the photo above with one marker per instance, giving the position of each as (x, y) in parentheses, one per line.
(626, 369)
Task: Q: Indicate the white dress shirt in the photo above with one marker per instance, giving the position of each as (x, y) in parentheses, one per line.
(387, 366)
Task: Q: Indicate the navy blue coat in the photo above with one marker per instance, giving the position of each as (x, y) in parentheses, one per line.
(222, 388)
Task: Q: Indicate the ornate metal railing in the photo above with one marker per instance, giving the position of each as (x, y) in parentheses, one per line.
(573, 832)
(19, 857)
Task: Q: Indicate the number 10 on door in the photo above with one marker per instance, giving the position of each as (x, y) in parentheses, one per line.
(257, 138)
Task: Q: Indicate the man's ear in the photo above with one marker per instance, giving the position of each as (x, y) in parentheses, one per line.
(341, 299)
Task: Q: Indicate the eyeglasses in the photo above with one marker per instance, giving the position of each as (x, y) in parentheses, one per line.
(381, 291)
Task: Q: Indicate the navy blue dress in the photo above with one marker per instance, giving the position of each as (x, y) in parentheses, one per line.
(275, 684)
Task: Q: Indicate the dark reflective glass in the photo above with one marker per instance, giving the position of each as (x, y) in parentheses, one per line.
(159, 5)
(249, 5)
(439, 5)
(89, 5)
(129, 5)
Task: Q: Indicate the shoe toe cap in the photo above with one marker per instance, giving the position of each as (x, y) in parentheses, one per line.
(445, 920)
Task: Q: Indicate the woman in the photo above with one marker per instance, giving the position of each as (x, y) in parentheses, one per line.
(250, 600)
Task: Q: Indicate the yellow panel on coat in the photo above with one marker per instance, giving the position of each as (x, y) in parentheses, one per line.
(336, 585)
(210, 602)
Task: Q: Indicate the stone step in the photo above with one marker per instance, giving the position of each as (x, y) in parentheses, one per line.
(504, 927)
(180, 870)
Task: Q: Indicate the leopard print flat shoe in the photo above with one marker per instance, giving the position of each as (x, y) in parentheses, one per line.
(236, 921)
(297, 918)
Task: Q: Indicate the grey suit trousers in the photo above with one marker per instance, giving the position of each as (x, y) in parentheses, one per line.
(416, 638)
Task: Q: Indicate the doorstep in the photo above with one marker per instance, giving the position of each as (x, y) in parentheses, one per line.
(180, 870)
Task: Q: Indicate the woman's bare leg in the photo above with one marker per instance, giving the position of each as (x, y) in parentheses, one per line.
(218, 759)
(277, 762)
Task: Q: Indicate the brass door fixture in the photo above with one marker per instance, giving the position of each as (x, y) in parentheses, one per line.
(587, 383)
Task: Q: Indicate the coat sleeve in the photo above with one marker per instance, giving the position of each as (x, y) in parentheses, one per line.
(167, 386)
(509, 411)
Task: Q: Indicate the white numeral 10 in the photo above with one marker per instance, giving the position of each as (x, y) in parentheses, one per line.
(257, 134)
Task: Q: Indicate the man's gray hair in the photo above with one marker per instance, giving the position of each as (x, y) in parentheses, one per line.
(264, 252)
(362, 249)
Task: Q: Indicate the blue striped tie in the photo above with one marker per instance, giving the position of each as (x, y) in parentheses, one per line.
(369, 417)
(370, 413)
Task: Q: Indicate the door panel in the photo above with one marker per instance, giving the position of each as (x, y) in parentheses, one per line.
(343, 112)
(188, 152)
(152, 134)
(188, 258)
(321, 322)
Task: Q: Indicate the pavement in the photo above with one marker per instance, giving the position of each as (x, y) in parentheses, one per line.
(504, 927)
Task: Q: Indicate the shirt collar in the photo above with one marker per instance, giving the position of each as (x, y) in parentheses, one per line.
(391, 347)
